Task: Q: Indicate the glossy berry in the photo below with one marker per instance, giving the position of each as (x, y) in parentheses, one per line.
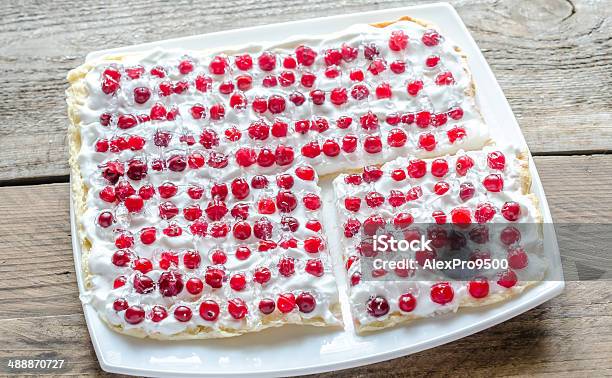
(134, 203)
(317, 96)
(286, 302)
(398, 67)
(311, 201)
(314, 267)
(143, 284)
(397, 138)
(417, 168)
(182, 313)
(244, 62)
(507, 279)
(269, 81)
(356, 75)
(305, 173)
(305, 55)
(218, 65)
(377, 306)
(194, 286)
(285, 181)
(396, 198)
(170, 284)
(240, 188)
(439, 167)
(214, 277)
(134, 314)
(445, 78)
(442, 293)
(352, 203)
(398, 175)
(262, 275)
(510, 235)
(463, 164)
(466, 191)
(297, 98)
(311, 150)
(493, 183)
(308, 79)
(305, 302)
(141, 95)
(338, 96)
(267, 306)
(374, 199)
(439, 217)
(143, 265)
(218, 257)
(286, 266)
(496, 160)
(383, 91)
(360, 92)
(478, 288)
(192, 259)
(517, 258)
(158, 313)
(461, 216)
(407, 302)
(432, 61)
(372, 144)
(120, 304)
(238, 282)
(267, 61)
(284, 155)
(276, 104)
(511, 211)
(371, 173)
(430, 38)
(246, 156)
(427, 141)
(237, 308)
(243, 253)
(398, 40)
(105, 219)
(244, 82)
(209, 310)
(377, 66)
(414, 87)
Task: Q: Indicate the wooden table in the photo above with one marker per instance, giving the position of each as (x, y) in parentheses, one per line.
(551, 57)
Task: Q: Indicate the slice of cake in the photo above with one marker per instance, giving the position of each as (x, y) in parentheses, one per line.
(475, 208)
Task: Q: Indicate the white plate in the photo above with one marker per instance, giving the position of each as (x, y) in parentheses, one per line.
(293, 350)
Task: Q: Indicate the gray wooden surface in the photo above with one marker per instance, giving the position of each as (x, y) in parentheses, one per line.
(551, 57)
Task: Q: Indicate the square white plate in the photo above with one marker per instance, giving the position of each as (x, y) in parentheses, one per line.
(293, 350)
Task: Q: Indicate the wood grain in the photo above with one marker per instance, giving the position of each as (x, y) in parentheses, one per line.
(570, 335)
(551, 57)
(41, 316)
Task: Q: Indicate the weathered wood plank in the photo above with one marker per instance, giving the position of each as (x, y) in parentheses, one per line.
(569, 335)
(551, 57)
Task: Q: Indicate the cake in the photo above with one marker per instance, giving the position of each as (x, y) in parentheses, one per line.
(474, 206)
(195, 173)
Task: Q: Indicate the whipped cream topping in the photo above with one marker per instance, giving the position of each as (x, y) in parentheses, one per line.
(104, 272)
(421, 209)
(432, 98)
(175, 110)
